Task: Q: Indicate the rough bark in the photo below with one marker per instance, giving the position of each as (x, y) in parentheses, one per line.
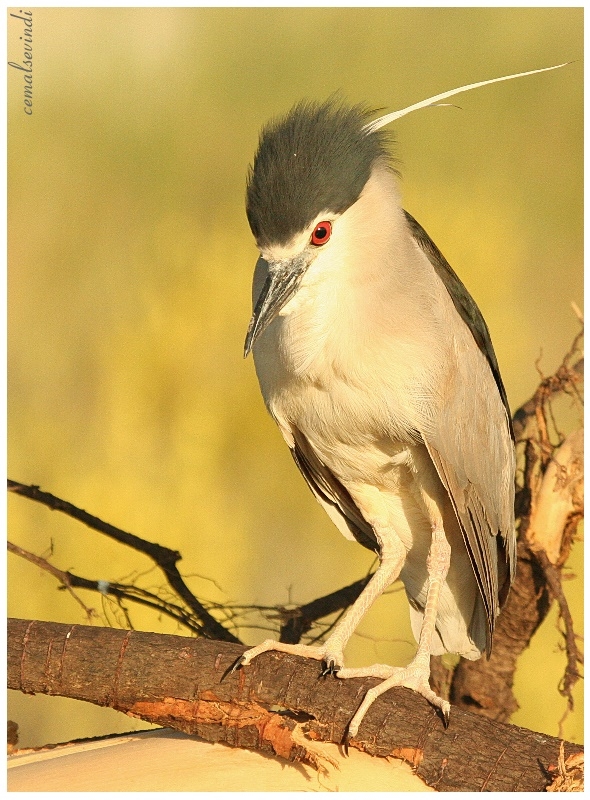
(183, 683)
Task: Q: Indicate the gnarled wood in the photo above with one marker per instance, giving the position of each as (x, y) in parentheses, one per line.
(179, 682)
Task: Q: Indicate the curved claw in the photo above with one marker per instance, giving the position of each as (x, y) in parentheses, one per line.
(233, 667)
(330, 667)
(344, 742)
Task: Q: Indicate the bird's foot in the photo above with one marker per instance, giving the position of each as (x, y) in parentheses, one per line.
(415, 676)
(330, 656)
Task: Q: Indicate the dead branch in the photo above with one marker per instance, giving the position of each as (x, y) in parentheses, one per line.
(120, 591)
(179, 682)
(64, 578)
(549, 506)
(190, 612)
(165, 558)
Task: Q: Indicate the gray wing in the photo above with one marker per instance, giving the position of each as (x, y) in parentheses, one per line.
(471, 445)
(331, 494)
(463, 302)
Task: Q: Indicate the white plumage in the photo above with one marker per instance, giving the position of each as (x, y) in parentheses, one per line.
(355, 362)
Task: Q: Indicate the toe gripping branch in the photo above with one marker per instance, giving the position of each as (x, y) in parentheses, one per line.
(330, 667)
(233, 667)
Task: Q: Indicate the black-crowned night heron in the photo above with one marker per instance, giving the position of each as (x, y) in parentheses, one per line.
(378, 368)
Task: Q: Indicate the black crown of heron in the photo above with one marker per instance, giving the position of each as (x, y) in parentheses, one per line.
(378, 368)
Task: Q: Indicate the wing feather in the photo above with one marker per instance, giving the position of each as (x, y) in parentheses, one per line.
(463, 302)
(479, 480)
(331, 493)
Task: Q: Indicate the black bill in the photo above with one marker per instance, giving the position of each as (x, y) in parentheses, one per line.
(282, 282)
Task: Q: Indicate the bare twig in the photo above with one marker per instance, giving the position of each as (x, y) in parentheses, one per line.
(566, 379)
(301, 622)
(164, 557)
(62, 577)
(574, 657)
(120, 591)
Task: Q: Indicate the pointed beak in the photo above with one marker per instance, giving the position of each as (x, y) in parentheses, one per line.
(281, 283)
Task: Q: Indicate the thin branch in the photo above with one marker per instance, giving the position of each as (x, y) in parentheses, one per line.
(62, 577)
(164, 557)
(574, 657)
(121, 591)
(300, 622)
(566, 379)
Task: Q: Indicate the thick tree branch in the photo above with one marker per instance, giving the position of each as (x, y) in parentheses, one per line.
(179, 682)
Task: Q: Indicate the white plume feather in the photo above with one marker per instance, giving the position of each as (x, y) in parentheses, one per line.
(431, 101)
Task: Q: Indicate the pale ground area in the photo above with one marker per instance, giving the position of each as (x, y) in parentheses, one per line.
(170, 761)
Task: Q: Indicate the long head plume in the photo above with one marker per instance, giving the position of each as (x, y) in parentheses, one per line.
(438, 98)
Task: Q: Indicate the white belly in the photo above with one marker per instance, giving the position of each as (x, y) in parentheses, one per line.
(369, 440)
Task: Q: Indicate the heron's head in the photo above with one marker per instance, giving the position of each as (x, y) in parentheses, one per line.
(311, 166)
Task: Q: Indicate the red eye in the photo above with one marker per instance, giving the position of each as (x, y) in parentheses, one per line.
(321, 234)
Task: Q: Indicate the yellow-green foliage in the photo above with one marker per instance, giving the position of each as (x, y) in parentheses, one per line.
(129, 284)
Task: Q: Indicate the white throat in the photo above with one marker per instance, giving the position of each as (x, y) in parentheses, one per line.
(331, 314)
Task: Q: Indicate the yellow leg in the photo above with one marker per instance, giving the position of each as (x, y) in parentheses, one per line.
(331, 652)
(416, 675)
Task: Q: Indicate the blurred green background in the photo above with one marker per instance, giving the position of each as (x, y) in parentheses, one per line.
(129, 286)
